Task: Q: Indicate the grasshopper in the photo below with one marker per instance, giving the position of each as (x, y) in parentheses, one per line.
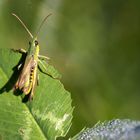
(28, 76)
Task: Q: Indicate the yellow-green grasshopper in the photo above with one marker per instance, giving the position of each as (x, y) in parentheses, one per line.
(28, 76)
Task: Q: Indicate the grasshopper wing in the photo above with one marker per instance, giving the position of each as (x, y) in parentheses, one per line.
(26, 78)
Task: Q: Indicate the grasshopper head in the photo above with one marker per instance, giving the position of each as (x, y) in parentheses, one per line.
(34, 47)
(34, 43)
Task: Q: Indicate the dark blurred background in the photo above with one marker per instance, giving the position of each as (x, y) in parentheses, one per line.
(95, 45)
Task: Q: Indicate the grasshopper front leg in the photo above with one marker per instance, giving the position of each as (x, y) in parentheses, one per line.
(45, 69)
(42, 57)
(22, 51)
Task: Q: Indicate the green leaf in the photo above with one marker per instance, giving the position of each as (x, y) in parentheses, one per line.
(111, 130)
(46, 117)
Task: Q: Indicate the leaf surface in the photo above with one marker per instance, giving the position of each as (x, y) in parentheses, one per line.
(46, 117)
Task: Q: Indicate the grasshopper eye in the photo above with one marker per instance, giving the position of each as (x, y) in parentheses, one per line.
(36, 42)
(29, 43)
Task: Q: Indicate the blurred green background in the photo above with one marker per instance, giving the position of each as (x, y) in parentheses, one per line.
(95, 45)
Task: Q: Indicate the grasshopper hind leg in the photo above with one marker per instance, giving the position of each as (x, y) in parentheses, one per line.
(37, 79)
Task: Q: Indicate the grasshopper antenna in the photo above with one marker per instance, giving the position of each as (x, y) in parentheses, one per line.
(23, 25)
(42, 23)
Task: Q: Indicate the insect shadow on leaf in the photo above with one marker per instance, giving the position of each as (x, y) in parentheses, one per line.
(9, 85)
